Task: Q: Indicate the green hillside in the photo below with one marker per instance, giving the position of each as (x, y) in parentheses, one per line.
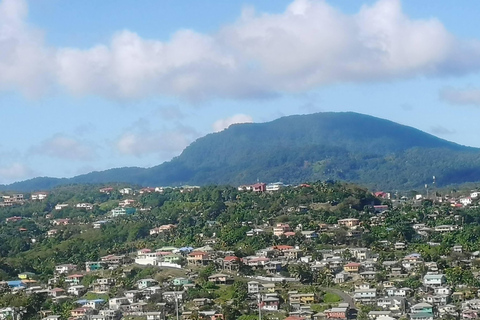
(348, 146)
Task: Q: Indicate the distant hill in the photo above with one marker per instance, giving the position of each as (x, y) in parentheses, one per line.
(348, 146)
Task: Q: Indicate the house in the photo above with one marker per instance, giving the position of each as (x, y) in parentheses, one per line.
(65, 268)
(274, 186)
(162, 229)
(103, 284)
(117, 303)
(466, 201)
(220, 278)
(61, 206)
(13, 219)
(380, 208)
(61, 222)
(395, 304)
(254, 232)
(309, 234)
(352, 267)
(74, 279)
(200, 302)
(349, 222)
(280, 229)
(365, 295)
(55, 292)
(446, 228)
(106, 190)
(171, 296)
(400, 246)
(231, 263)
(336, 313)
(126, 203)
(458, 249)
(52, 233)
(93, 265)
(121, 211)
(434, 280)
(84, 205)
(301, 298)
(422, 308)
(26, 275)
(259, 187)
(181, 281)
(38, 196)
(145, 283)
(125, 191)
(198, 258)
(77, 290)
(270, 303)
(80, 312)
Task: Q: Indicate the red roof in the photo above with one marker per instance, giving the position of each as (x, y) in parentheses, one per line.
(198, 253)
(282, 247)
(231, 258)
(353, 264)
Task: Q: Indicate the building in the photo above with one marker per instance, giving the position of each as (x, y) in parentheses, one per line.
(349, 222)
(434, 280)
(352, 267)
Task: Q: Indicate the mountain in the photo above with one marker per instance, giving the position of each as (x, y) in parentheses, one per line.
(347, 146)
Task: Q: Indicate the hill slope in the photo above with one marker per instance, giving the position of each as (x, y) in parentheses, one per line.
(345, 146)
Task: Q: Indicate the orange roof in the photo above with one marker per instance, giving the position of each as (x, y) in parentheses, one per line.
(231, 258)
(353, 264)
(198, 253)
(282, 247)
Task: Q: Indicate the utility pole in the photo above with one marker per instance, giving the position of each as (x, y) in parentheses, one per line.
(176, 304)
(259, 306)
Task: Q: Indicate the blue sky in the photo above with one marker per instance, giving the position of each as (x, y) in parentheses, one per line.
(90, 85)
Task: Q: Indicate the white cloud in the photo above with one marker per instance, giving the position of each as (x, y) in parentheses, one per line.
(222, 124)
(140, 140)
(14, 172)
(310, 44)
(467, 96)
(64, 147)
(25, 62)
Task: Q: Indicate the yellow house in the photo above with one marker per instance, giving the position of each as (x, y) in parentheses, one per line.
(352, 267)
(26, 275)
(302, 298)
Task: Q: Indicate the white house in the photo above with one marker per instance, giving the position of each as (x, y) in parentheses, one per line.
(433, 280)
(466, 201)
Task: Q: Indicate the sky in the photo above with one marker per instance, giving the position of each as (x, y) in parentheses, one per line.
(89, 85)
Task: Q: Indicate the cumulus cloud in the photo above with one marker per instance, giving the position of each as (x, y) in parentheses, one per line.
(64, 147)
(26, 63)
(167, 142)
(222, 124)
(308, 45)
(14, 172)
(468, 96)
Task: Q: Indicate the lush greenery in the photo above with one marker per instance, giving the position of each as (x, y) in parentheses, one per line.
(341, 146)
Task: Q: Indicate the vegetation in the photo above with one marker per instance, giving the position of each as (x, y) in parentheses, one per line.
(350, 147)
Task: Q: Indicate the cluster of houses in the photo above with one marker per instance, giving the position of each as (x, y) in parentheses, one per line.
(262, 187)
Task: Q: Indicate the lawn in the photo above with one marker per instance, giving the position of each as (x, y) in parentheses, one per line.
(331, 298)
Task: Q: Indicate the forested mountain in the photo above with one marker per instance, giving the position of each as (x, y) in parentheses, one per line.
(342, 146)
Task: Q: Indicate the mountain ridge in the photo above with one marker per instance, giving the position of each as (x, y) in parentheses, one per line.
(345, 146)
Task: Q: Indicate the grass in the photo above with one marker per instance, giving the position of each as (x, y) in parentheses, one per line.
(331, 298)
